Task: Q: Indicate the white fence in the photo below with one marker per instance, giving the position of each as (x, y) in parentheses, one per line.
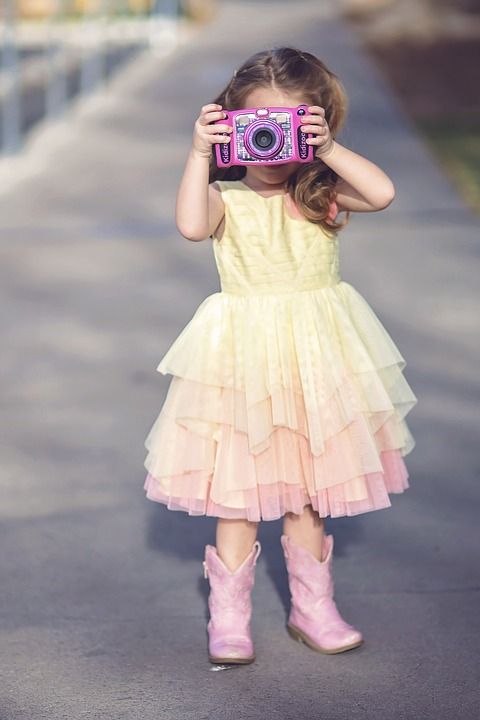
(45, 63)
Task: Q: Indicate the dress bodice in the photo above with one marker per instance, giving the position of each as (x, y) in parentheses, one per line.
(263, 249)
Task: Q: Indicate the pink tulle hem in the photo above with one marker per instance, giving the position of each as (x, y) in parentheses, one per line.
(270, 502)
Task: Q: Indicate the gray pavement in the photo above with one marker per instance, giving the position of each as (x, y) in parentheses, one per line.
(103, 601)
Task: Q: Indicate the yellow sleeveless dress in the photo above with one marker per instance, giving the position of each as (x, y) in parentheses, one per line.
(287, 390)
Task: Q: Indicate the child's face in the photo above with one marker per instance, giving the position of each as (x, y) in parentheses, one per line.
(264, 97)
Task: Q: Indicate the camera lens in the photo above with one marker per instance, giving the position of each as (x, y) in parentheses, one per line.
(263, 139)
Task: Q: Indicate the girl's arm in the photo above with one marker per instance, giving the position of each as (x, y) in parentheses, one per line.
(363, 186)
(199, 207)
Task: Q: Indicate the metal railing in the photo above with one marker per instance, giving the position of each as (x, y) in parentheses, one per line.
(67, 49)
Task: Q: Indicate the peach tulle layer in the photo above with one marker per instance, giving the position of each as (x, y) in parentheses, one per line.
(200, 460)
(287, 420)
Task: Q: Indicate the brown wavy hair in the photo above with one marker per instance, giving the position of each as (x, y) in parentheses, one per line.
(312, 185)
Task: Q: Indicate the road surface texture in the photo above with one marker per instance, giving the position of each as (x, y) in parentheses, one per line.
(103, 600)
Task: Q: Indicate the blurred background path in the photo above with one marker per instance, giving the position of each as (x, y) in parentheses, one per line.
(103, 603)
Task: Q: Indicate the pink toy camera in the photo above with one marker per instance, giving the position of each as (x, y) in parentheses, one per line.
(265, 136)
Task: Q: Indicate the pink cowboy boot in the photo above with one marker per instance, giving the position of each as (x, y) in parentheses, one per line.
(314, 618)
(230, 607)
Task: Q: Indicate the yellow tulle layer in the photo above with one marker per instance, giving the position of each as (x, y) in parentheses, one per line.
(281, 400)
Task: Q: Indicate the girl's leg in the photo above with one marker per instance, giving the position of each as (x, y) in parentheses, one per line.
(306, 530)
(234, 540)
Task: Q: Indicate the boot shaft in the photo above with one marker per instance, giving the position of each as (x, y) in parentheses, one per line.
(230, 592)
(308, 577)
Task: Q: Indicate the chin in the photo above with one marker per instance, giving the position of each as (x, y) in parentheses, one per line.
(278, 171)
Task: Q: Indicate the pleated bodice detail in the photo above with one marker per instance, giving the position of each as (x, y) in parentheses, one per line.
(265, 250)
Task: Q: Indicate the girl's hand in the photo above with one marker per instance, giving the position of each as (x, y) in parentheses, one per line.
(317, 124)
(205, 135)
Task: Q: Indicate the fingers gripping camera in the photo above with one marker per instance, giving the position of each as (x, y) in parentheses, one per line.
(264, 136)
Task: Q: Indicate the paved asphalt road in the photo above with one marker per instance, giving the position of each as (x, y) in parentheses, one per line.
(103, 601)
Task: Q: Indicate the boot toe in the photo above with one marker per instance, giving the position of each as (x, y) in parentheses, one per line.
(344, 638)
(327, 639)
(231, 649)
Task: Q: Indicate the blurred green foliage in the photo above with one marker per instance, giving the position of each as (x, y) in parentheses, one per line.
(455, 140)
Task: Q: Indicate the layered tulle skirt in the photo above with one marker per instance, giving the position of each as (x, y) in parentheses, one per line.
(278, 401)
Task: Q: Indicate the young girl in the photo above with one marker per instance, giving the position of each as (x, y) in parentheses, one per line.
(287, 397)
